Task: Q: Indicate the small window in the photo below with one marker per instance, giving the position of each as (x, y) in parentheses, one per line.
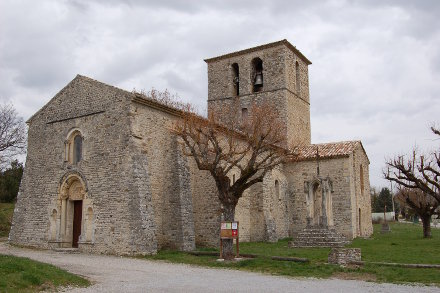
(257, 75)
(297, 80)
(362, 179)
(235, 80)
(77, 149)
(277, 190)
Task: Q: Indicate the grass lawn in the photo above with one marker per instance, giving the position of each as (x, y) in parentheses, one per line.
(404, 244)
(19, 274)
(6, 211)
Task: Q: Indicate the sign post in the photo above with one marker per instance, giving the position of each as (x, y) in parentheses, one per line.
(229, 230)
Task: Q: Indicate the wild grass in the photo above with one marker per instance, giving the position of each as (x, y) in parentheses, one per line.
(6, 211)
(19, 274)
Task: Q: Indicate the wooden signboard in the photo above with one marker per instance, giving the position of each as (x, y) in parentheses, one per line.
(229, 230)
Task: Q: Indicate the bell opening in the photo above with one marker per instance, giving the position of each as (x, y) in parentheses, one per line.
(257, 69)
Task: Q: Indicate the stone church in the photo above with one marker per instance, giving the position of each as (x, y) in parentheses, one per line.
(104, 174)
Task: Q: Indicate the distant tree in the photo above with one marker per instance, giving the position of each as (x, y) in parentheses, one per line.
(420, 203)
(382, 199)
(250, 147)
(12, 134)
(419, 172)
(10, 182)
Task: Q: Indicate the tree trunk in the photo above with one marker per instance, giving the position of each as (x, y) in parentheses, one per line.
(426, 221)
(228, 244)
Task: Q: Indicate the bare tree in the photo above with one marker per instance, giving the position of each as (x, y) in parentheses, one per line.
(249, 146)
(12, 134)
(418, 172)
(422, 204)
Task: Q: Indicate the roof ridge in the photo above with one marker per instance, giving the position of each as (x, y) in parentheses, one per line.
(260, 47)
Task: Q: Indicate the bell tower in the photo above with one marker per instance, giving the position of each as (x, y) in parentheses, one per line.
(276, 73)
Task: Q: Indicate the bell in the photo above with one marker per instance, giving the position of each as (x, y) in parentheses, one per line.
(259, 79)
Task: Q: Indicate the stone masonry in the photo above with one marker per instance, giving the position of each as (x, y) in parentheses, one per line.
(105, 174)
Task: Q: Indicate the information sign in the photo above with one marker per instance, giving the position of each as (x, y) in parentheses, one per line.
(229, 230)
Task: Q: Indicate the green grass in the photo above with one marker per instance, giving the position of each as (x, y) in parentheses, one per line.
(6, 211)
(404, 245)
(19, 274)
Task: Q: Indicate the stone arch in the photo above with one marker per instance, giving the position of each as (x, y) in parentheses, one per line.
(72, 195)
(313, 190)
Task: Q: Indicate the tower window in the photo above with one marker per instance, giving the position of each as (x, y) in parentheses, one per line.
(297, 80)
(257, 75)
(235, 80)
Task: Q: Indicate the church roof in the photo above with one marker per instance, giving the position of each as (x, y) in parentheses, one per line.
(326, 150)
(262, 47)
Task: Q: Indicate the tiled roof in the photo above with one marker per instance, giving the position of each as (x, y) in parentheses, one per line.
(326, 150)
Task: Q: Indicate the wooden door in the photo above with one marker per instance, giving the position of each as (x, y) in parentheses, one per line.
(77, 217)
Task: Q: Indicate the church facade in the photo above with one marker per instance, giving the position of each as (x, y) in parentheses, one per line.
(104, 174)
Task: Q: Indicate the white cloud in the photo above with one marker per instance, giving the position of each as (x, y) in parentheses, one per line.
(375, 73)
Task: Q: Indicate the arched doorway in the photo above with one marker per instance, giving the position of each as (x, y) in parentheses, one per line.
(72, 194)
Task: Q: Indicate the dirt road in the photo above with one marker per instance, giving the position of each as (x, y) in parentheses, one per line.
(120, 274)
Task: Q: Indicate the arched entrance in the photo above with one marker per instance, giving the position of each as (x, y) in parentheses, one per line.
(319, 202)
(72, 194)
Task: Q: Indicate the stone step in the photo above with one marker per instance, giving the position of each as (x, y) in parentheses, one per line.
(319, 237)
(67, 250)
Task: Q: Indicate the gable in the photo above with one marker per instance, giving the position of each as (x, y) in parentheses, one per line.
(81, 97)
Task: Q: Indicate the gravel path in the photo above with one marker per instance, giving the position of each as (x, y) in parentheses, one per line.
(119, 274)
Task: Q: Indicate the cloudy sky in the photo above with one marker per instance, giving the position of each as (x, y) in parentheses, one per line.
(375, 74)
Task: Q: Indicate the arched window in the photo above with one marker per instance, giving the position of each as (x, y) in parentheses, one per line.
(77, 149)
(235, 80)
(362, 179)
(257, 75)
(297, 80)
(74, 147)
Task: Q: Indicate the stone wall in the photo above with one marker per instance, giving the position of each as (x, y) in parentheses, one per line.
(339, 172)
(344, 256)
(364, 226)
(186, 207)
(279, 88)
(99, 112)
